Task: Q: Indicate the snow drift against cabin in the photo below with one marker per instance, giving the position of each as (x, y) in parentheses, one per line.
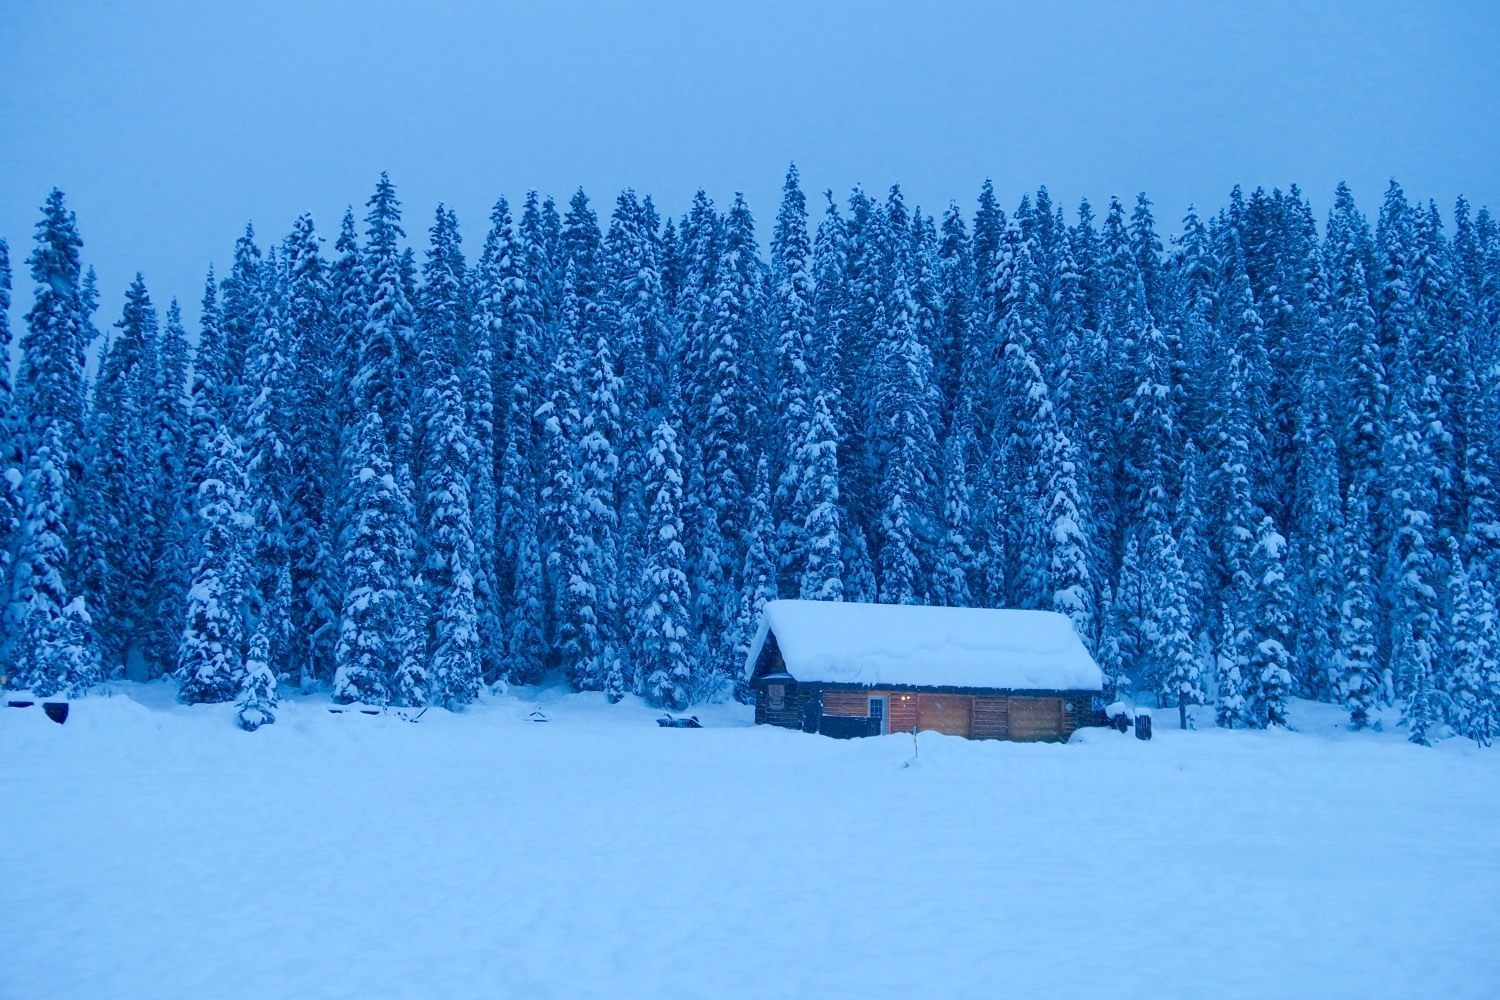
(851, 643)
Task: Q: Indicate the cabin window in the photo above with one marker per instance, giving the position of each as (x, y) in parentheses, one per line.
(776, 694)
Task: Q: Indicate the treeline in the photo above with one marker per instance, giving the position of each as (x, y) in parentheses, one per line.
(1256, 463)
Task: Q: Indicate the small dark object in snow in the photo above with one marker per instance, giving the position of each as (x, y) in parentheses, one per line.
(336, 711)
(20, 704)
(691, 722)
(537, 716)
(1122, 722)
(369, 711)
(57, 711)
(1143, 726)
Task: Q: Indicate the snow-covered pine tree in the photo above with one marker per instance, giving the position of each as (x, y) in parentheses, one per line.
(50, 377)
(759, 574)
(1411, 569)
(9, 431)
(665, 651)
(1148, 258)
(455, 670)
(950, 576)
(903, 440)
(243, 300)
(1066, 535)
(1230, 710)
(1477, 298)
(487, 377)
(208, 394)
(1124, 320)
(255, 706)
(56, 651)
(598, 459)
(1242, 330)
(956, 289)
(1355, 660)
(1313, 559)
(347, 302)
(374, 627)
(211, 654)
(269, 399)
(726, 424)
(1269, 682)
(1120, 651)
(171, 565)
(1022, 411)
(989, 584)
(1191, 529)
(1469, 651)
(989, 231)
(1160, 638)
(117, 531)
(10, 461)
(793, 316)
(521, 282)
(1235, 530)
(818, 494)
(313, 441)
(382, 380)
(444, 608)
(649, 351)
(1195, 276)
(1067, 337)
(49, 385)
(1363, 399)
(570, 585)
(1170, 649)
(1421, 711)
(1484, 724)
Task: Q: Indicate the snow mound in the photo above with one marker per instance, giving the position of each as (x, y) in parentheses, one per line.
(872, 644)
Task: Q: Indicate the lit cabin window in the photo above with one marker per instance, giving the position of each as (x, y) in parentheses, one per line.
(777, 694)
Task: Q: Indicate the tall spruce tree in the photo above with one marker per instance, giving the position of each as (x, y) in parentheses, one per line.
(50, 378)
(56, 649)
(373, 632)
(455, 668)
(1359, 682)
(312, 328)
(10, 456)
(793, 312)
(211, 655)
(118, 530)
(818, 494)
(1269, 681)
(665, 650)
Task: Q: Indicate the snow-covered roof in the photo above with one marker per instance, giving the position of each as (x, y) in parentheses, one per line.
(835, 642)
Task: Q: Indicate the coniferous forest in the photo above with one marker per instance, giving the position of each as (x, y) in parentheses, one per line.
(1251, 462)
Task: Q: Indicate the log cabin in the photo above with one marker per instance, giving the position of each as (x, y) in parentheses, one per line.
(849, 669)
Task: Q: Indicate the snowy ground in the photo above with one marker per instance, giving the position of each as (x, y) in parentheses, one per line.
(151, 850)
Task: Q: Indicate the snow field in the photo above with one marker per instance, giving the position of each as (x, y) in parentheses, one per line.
(152, 850)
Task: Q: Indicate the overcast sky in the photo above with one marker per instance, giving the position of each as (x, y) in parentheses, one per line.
(171, 125)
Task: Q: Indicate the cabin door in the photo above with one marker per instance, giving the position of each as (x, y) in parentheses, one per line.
(945, 713)
(877, 713)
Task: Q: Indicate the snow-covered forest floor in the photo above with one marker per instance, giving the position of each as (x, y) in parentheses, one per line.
(154, 850)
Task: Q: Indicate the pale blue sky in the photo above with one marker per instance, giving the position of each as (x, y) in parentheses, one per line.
(169, 125)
